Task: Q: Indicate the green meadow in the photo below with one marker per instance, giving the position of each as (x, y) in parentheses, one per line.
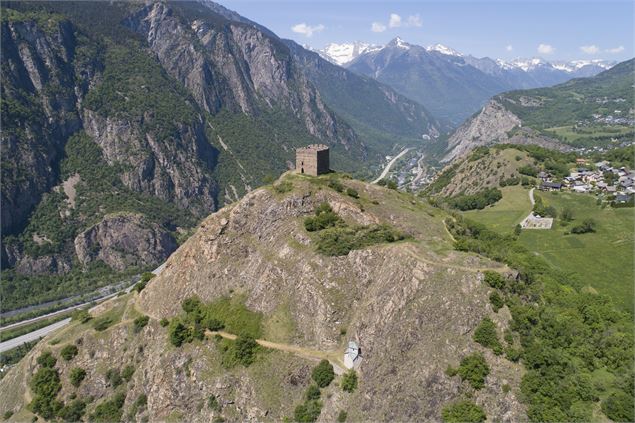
(507, 212)
(602, 260)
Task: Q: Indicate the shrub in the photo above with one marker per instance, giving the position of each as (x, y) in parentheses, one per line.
(69, 352)
(127, 372)
(496, 300)
(164, 322)
(342, 416)
(245, 350)
(73, 411)
(474, 369)
(463, 412)
(349, 381)
(7, 414)
(103, 323)
(139, 323)
(109, 411)
(46, 360)
(179, 333)
(212, 403)
(494, 279)
(324, 218)
(308, 412)
(352, 193)
(567, 214)
(390, 184)
(336, 185)
(76, 376)
(312, 393)
(113, 377)
(619, 407)
(340, 241)
(283, 186)
(191, 304)
(323, 374)
(587, 225)
(528, 170)
(81, 315)
(486, 335)
(477, 201)
(45, 385)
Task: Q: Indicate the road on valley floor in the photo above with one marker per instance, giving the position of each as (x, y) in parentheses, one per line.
(39, 333)
(389, 165)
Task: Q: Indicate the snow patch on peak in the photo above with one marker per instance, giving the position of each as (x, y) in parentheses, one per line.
(440, 48)
(340, 54)
(400, 43)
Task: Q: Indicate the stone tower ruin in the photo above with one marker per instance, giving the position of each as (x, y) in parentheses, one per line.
(312, 160)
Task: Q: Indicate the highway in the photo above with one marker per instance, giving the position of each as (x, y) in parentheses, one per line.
(389, 165)
(39, 333)
(32, 336)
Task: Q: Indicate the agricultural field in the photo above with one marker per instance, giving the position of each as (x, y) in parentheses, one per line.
(602, 260)
(507, 212)
(592, 135)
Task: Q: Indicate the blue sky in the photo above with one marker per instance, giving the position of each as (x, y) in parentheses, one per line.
(555, 30)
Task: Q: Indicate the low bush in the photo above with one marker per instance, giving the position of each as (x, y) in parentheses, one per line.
(619, 407)
(494, 279)
(340, 241)
(477, 201)
(587, 225)
(76, 376)
(164, 322)
(139, 323)
(336, 185)
(81, 315)
(283, 186)
(46, 359)
(474, 369)
(69, 352)
(496, 300)
(324, 218)
(486, 335)
(113, 377)
(110, 410)
(127, 372)
(103, 323)
(463, 412)
(528, 170)
(349, 381)
(308, 412)
(245, 350)
(212, 403)
(342, 416)
(323, 374)
(73, 411)
(312, 393)
(352, 193)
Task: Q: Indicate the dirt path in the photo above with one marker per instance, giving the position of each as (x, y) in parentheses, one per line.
(531, 197)
(331, 356)
(413, 253)
(389, 165)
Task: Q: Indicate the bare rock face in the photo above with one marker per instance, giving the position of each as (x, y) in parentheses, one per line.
(123, 241)
(492, 125)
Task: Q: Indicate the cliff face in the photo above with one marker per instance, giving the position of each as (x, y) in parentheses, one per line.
(413, 311)
(494, 125)
(187, 104)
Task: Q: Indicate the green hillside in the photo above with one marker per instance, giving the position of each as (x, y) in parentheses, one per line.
(583, 111)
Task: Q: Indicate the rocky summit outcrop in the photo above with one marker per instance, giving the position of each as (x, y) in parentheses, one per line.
(124, 240)
(495, 124)
(412, 308)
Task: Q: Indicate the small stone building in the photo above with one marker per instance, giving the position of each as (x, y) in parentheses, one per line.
(353, 355)
(312, 160)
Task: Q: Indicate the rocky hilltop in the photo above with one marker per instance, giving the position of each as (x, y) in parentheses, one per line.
(412, 305)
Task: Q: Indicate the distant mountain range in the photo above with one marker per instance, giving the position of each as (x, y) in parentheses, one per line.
(450, 84)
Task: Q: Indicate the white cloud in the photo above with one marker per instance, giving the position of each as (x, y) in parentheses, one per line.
(307, 30)
(415, 21)
(378, 27)
(592, 49)
(509, 47)
(394, 21)
(546, 49)
(615, 50)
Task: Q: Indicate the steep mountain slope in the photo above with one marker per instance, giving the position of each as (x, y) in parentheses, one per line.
(451, 92)
(452, 85)
(583, 112)
(413, 307)
(157, 113)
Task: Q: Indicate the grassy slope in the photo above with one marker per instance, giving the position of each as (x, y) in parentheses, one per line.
(602, 260)
(506, 213)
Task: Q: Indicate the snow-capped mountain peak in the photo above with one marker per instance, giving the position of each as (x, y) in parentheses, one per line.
(400, 43)
(440, 48)
(341, 54)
